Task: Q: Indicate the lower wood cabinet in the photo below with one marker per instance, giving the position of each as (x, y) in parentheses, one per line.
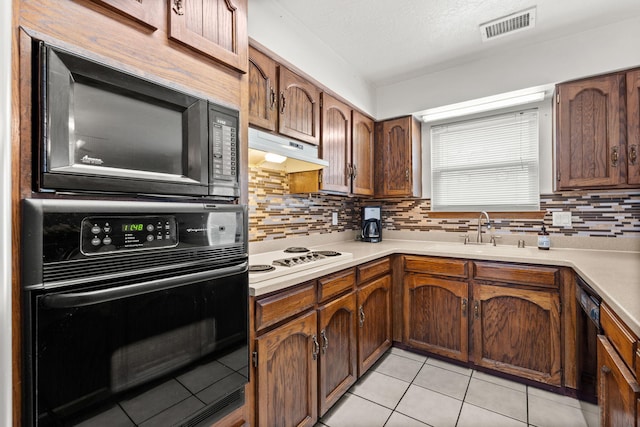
(501, 316)
(314, 339)
(287, 374)
(618, 386)
(374, 321)
(619, 391)
(517, 331)
(435, 315)
(338, 350)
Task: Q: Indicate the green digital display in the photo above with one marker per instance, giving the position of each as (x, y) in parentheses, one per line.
(132, 227)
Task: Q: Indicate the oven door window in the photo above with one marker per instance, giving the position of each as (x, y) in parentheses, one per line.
(157, 358)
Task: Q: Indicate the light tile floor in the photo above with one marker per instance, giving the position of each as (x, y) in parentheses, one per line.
(405, 389)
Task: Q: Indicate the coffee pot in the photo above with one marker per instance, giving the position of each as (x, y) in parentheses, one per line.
(371, 230)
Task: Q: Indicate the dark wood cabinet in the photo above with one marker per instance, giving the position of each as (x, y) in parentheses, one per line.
(338, 350)
(619, 390)
(435, 319)
(633, 128)
(335, 145)
(216, 28)
(145, 13)
(435, 306)
(501, 316)
(516, 320)
(287, 374)
(517, 331)
(374, 321)
(618, 387)
(299, 107)
(595, 149)
(263, 80)
(398, 158)
(362, 154)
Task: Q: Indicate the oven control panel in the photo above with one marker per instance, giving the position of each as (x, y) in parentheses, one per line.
(112, 234)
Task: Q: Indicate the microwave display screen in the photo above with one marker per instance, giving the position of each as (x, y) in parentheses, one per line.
(112, 130)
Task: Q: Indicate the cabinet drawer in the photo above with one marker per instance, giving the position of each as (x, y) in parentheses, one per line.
(437, 266)
(373, 269)
(624, 341)
(274, 308)
(545, 277)
(335, 284)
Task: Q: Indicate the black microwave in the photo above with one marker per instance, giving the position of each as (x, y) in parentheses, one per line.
(103, 130)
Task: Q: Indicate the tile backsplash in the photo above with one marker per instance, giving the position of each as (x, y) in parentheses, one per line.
(275, 214)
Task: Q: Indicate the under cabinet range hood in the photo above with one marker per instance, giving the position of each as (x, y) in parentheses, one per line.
(294, 156)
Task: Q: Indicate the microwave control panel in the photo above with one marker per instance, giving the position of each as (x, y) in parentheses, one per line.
(224, 143)
(101, 235)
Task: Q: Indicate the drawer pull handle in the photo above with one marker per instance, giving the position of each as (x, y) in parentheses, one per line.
(283, 102)
(325, 340)
(464, 307)
(614, 156)
(476, 309)
(178, 8)
(361, 309)
(605, 369)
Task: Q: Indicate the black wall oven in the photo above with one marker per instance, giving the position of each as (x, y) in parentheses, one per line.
(135, 312)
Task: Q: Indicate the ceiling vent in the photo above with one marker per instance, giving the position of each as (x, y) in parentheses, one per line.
(508, 24)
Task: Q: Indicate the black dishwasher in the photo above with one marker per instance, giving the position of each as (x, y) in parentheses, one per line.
(587, 330)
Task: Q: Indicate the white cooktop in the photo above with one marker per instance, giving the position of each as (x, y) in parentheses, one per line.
(284, 263)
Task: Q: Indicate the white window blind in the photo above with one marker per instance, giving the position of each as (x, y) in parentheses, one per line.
(489, 163)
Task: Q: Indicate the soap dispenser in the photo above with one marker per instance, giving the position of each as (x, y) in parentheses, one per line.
(543, 239)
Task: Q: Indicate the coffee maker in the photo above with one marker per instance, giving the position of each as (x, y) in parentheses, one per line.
(371, 224)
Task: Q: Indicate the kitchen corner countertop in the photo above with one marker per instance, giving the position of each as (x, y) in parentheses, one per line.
(614, 275)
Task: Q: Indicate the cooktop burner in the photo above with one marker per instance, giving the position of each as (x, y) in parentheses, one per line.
(296, 250)
(269, 265)
(327, 253)
(261, 268)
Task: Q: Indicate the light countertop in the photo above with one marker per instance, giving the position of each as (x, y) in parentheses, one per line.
(614, 275)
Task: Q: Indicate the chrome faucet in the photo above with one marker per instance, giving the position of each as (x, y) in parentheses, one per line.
(483, 213)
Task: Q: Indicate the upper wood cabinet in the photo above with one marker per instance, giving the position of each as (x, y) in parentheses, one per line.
(216, 28)
(594, 147)
(633, 127)
(362, 154)
(398, 158)
(335, 145)
(263, 81)
(144, 13)
(299, 107)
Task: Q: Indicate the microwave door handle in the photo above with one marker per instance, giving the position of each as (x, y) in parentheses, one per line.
(81, 299)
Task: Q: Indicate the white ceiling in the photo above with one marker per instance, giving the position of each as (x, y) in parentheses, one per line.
(388, 41)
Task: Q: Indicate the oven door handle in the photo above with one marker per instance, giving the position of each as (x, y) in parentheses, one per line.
(81, 299)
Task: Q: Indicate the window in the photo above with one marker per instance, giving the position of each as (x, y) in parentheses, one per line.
(489, 163)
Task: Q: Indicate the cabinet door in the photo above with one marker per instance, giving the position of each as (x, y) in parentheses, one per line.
(590, 144)
(144, 13)
(299, 107)
(262, 90)
(633, 127)
(216, 28)
(287, 374)
(618, 389)
(362, 150)
(435, 315)
(394, 158)
(337, 338)
(517, 331)
(374, 322)
(335, 145)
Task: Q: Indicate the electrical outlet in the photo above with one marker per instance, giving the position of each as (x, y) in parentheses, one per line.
(334, 218)
(562, 219)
